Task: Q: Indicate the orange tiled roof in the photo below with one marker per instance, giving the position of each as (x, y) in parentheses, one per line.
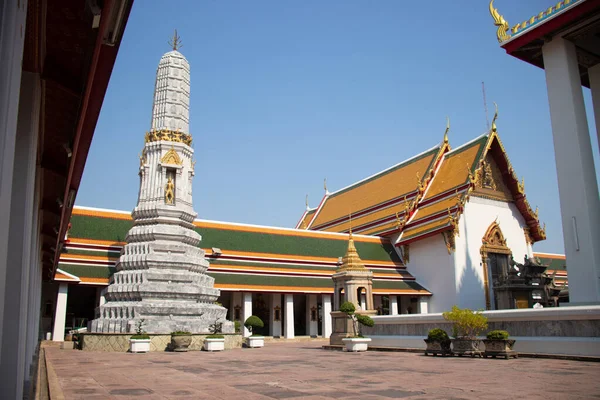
(390, 186)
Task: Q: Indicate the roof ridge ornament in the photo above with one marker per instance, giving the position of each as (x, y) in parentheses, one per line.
(447, 129)
(306, 201)
(325, 186)
(500, 22)
(175, 41)
(495, 118)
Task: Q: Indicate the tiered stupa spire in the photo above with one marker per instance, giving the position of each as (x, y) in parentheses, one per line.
(161, 273)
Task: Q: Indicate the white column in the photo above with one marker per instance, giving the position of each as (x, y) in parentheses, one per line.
(12, 36)
(276, 325)
(363, 301)
(594, 75)
(288, 330)
(247, 311)
(327, 325)
(424, 305)
(577, 186)
(313, 326)
(14, 366)
(236, 301)
(60, 314)
(393, 306)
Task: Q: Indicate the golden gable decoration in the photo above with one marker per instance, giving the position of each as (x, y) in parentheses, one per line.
(171, 157)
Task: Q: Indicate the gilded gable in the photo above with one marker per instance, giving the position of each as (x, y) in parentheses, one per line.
(489, 182)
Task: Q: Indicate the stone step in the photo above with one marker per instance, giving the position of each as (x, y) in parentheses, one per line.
(271, 339)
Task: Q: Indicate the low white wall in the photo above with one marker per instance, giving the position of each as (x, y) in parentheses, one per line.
(581, 322)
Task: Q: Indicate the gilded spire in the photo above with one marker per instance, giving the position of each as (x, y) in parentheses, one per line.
(351, 261)
(175, 41)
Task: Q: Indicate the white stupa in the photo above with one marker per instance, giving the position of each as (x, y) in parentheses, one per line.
(161, 273)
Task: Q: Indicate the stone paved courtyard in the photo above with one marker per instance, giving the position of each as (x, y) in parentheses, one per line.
(305, 371)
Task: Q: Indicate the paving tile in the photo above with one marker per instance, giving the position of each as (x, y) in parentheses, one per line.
(304, 371)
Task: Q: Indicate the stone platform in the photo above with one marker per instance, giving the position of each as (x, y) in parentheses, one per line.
(115, 342)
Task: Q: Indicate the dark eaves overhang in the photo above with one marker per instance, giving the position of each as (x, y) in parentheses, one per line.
(113, 18)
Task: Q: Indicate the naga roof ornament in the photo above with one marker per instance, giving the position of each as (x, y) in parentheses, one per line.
(500, 22)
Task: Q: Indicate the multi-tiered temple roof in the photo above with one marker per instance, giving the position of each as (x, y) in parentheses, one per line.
(242, 257)
(426, 194)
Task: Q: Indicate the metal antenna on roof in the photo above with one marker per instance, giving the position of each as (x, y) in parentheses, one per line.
(487, 120)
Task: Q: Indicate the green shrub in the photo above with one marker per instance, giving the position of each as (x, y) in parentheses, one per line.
(253, 322)
(497, 335)
(438, 335)
(140, 336)
(237, 326)
(365, 320)
(181, 333)
(215, 337)
(466, 323)
(349, 309)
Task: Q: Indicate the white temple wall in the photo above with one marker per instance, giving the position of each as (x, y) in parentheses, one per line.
(433, 268)
(477, 217)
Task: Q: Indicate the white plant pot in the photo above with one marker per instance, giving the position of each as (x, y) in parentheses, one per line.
(214, 344)
(139, 345)
(256, 341)
(356, 344)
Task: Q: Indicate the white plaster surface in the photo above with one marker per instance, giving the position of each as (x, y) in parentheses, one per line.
(246, 311)
(327, 323)
(586, 316)
(577, 185)
(288, 331)
(58, 334)
(433, 268)
(393, 309)
(477, 217)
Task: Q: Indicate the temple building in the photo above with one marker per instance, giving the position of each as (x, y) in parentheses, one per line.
(449, 226)
(436, 230)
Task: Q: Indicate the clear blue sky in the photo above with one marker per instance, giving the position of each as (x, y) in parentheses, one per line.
(286, 93)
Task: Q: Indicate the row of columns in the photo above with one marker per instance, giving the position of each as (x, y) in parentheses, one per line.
(20, 242)
(284, 326)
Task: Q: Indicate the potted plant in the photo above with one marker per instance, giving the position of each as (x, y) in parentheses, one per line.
(438, 342)
(140, 342)
(215, 341)
(498, 344)
(466, 326)
(180, 340)
(237, 326)
(254, 340)
(357, 342)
